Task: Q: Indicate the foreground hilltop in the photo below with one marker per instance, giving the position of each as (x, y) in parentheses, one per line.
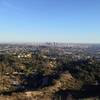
(65, 81)
(46, 72)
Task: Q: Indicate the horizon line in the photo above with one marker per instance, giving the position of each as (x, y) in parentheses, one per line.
(49, 42)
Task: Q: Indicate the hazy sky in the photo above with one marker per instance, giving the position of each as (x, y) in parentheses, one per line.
(50, 20)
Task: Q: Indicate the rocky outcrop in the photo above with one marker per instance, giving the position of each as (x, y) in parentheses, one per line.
(65, 81)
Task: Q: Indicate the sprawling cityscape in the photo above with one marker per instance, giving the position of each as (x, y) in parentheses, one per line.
(49, 71)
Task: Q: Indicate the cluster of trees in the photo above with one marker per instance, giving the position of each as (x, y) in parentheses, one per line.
(32, 72)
